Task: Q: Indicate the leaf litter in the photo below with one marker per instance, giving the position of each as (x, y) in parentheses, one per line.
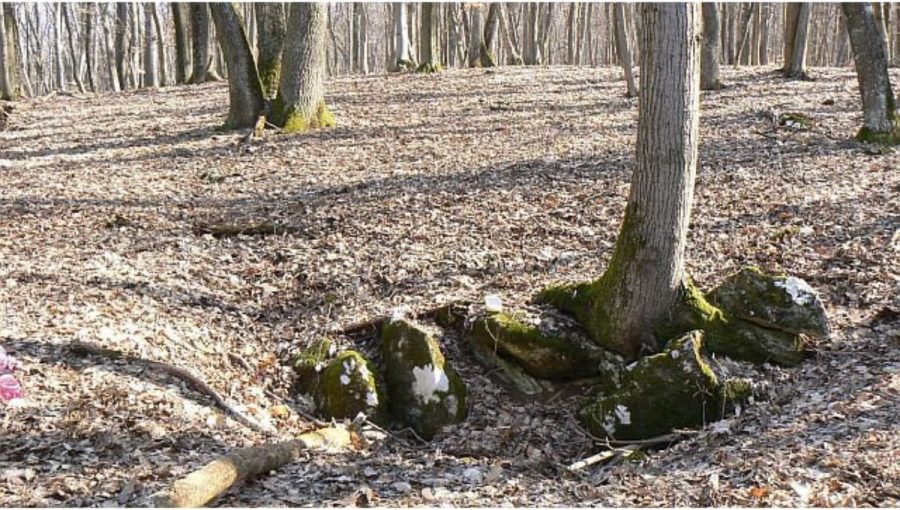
(433, 189)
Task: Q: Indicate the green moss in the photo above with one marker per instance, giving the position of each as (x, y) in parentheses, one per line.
(269, 77)
(673, 389)
(309, 363)
(885, 139)
(429, 68)
(348, 387)
(292, 120)
(736, 390)
(796, 120)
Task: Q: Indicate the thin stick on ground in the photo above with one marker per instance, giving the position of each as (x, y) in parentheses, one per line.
(84, 348)
(212, 480)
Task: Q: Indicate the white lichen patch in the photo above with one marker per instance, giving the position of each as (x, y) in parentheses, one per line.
(371, 399)
(800, 291)
(429, 381)
(345, 379)
(623, 415)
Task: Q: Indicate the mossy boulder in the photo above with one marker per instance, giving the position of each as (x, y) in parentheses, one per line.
(347, 387)
(675, 388)
(425, 392)
(309, 363)
(783, 303)
(544, 347)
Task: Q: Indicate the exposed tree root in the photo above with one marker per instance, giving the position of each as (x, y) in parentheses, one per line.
(83, 348)
(212, 480)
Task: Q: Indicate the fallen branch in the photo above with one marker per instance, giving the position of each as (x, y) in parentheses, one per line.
(593, 459)
(83, 348)
(212, 480)
(265, 228)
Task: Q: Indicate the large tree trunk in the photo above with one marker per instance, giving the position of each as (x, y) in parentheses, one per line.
(121, 56)
(182, 41)
(529, 34)
(360, 35)
(710, 78)
(160, 45)
(89, 12)
(764, 34)
(201, 62)
(7, 91)
(476, 34)
(796, 32)
(151, 59)
(271, 31)
(622, 48)
(429, 57)
(245, 97)
(571, 22)
(628, 309)
(506, 39)
(62, 80)
(491, 26)
(402, 59)
(871, 71)
(301, 97)
(744, 31)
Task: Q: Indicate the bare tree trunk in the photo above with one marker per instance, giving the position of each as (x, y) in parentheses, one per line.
(182, 41)
(429, 59)
(744, 30)
(529, 35)
(571, 22)
(245, 97)
(622, 49)
(879, 109)
(109, 50)
(120, 50)
(301, 98)
(476, 33)
(360, 39)
(151, 59)
(161, 45)
(582, 34)
(401, 58)
(89, 12)
(7, 87)
(766, 12)
(796, 31)
(201, 63)
(710, 78)
(630, 307)
(506, 34)
(270, 34)
(491, 25)
(62, 80)
(757, 30)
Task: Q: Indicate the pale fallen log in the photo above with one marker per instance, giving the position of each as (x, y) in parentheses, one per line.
(212, 480)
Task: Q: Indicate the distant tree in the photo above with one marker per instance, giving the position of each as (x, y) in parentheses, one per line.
(796, 35)
(645, 280)
(271, 30)
(151, 58)
(709, 63)
(491, 27)
(245, 96)
(622, 48)
(300, 105)
(429, 43)
(402, 57)
(202, 62)
(182, 44)
(476, 34)
(88, 13)
(9, 83)
(869, 55)
(120, 51)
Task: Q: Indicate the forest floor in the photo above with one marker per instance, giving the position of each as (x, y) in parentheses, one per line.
(432, 189)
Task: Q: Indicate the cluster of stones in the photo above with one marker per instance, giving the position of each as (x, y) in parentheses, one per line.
(417, 386)
(750, 316)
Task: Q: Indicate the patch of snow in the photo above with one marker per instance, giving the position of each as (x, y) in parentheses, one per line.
(429, 380)
(623, 415)
(800, 291)
(398, 313)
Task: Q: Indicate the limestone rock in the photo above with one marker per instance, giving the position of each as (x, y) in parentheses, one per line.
(672, 389)
(347, 387)
(425, 392)
(783, 303)
(309, 363)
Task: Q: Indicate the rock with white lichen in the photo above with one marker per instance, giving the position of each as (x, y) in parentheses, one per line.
(673, 389)
(309, 363)
(425, 392)
(347, 387)
(783, 303)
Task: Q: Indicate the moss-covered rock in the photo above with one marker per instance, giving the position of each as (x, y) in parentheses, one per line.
(425, 392)
(309, 363)
(783, 303)
(347, 387)
(795, 120)
(673, 389)
(546, 349)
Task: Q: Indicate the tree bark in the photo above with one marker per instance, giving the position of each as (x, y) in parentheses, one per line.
(429, 58)
(402, 59)
(62, 80)
(744, 30)
(245, 97)
(270, 34)
(300, 105)
(7, 91)
(201, 63)
(622, 49)
(796, 32)
(871, 71)
(182, 41)
(506, 34)
(710, 77)
(628, 309)
(89, 12)
(764, 34)
(476, 34)
(529, 35)
(120, 49)
(151, 59)
(160, 45)
(571, 30)
(491, 26)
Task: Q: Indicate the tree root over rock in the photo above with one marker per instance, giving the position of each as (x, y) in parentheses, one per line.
(212, 480)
